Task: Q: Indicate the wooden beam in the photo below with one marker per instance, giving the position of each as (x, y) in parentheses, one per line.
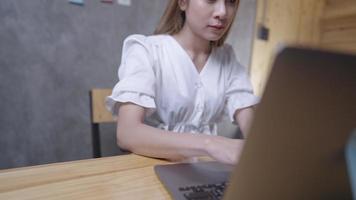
(339, 23)
(309, 26)
(339, 8)
(342, 47)
(339, 36)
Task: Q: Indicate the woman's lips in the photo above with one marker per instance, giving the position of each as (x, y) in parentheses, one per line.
(217, 27)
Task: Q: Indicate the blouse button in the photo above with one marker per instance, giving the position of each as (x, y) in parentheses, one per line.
(198, 84)
(200, 108)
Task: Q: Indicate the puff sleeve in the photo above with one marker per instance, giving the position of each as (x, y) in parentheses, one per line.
(136, 76)
(239, 92)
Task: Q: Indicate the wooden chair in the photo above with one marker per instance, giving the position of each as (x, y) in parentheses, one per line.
(99, 114)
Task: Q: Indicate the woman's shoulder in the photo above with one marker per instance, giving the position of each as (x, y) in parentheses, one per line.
(228, 59)
(150, 40)
(149, 45)
(225, 49)
(226, 54)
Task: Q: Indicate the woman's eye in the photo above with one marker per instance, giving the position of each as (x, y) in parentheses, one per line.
(232, 1)
(211, 1)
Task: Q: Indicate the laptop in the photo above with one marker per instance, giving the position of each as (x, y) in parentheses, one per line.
(295, 148)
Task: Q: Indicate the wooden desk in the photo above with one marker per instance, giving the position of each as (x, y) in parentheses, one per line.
(121, 177)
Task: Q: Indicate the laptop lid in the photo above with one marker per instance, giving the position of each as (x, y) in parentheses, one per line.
(295, 147)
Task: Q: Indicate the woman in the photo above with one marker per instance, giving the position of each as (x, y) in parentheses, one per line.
(185, 78)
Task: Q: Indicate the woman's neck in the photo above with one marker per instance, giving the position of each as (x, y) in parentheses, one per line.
(192, 43)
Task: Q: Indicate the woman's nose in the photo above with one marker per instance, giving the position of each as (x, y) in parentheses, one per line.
(220, 10)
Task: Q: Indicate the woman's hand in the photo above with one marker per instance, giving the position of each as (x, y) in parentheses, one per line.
(225, 150)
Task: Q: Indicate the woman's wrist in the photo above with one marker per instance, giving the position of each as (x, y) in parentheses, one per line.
(193, 145)
(208, 144)
(201, 143)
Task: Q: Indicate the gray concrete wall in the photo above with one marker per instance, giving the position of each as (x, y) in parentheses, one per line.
(52, 53)
(241, 38)
(241, 35)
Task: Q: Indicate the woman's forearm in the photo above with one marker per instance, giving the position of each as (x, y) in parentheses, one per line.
(135, 136)
(153, 142)
(244, 119)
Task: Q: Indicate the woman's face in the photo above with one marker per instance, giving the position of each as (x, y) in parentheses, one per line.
(209, 19)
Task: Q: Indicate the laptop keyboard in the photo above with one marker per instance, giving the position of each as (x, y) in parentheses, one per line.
(206, 191)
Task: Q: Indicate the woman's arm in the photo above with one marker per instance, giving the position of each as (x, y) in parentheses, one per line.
(135, 136)
(244, 117)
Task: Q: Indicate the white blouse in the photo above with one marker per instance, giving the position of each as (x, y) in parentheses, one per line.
(158, 74)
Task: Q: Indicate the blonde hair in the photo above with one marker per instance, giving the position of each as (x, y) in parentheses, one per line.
(173, 19)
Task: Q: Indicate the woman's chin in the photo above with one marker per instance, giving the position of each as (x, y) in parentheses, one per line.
(213, 37)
